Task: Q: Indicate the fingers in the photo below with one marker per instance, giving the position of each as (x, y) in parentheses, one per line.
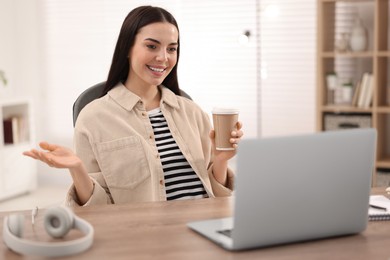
(45, 157)
(30, 154)
(234, 142)
(39, 155)
(212, 134)
(239, 125)
(212, 137)
(236, 135)
(34, 153)
(47, 146)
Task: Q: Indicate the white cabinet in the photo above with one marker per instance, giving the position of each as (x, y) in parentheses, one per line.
(18, 173)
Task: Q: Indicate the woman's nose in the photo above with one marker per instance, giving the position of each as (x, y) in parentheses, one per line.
(162, 55)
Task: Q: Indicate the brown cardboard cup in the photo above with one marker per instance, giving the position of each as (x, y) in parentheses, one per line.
(225, 121)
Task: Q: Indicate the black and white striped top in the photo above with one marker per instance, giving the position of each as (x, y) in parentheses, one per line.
(181, 182)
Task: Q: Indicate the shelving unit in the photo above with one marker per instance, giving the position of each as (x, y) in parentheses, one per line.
(18, 173)
(336, 17)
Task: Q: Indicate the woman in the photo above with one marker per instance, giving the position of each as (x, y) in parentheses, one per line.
(141, 141)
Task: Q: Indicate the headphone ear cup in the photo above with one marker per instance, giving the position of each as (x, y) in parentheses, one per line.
(16, 224)
(58, 221)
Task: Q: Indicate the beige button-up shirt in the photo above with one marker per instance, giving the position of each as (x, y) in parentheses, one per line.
(114, 138)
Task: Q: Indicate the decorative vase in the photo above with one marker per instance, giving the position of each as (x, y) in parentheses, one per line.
(358, 39)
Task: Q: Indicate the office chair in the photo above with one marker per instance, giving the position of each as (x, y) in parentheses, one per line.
(93, 93)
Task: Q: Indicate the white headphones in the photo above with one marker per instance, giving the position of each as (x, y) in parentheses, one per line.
(58, 222)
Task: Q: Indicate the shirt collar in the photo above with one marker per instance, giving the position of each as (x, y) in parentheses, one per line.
(127, 99)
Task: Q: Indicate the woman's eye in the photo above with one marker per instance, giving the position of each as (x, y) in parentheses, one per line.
(172, 49)
(151, 46)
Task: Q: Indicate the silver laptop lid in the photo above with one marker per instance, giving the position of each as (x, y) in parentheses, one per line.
(302, 187)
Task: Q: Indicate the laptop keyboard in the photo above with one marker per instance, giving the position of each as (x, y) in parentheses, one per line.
(226, 232)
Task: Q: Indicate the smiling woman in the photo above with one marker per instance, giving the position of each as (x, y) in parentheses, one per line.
(143, 141)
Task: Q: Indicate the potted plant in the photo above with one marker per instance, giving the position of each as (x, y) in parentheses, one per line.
(331, 85)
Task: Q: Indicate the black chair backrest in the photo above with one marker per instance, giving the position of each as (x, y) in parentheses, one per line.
(93, 93)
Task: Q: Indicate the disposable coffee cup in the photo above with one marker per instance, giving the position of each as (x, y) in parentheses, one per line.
(225, 121)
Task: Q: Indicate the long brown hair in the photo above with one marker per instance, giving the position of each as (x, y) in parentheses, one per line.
(134, 21)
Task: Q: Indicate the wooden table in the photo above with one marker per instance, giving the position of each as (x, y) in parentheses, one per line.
(159, 231)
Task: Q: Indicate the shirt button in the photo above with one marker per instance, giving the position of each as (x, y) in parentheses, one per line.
(144, 114)
(161, 182)
(158, 156)
(150, 136)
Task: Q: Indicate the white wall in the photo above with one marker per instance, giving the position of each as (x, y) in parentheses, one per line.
(20, 50)
(21, 57)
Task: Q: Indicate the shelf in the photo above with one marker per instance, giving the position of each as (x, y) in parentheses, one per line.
(346, 1)
(383, 163)
(383, 109)
(15, 114)
(364, 54)
(345, 109)
(384, 54)
(336, 19)
(18, 173)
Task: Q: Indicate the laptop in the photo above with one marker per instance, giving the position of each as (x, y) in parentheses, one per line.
(297, 188)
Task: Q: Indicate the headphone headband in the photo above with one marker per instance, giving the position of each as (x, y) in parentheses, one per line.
(55, 249)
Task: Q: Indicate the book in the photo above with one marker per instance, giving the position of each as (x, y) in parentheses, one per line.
(363, 89)
(379, 208)
(15, 130)
(24, 131)
(356, 93)
(10, 128)
(369, 93)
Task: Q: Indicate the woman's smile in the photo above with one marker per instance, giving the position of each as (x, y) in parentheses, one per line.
(157, 69)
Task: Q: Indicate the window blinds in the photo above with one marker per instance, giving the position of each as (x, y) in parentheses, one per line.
(288, 66)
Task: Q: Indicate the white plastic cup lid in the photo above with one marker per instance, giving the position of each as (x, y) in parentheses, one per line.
(224, 110)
